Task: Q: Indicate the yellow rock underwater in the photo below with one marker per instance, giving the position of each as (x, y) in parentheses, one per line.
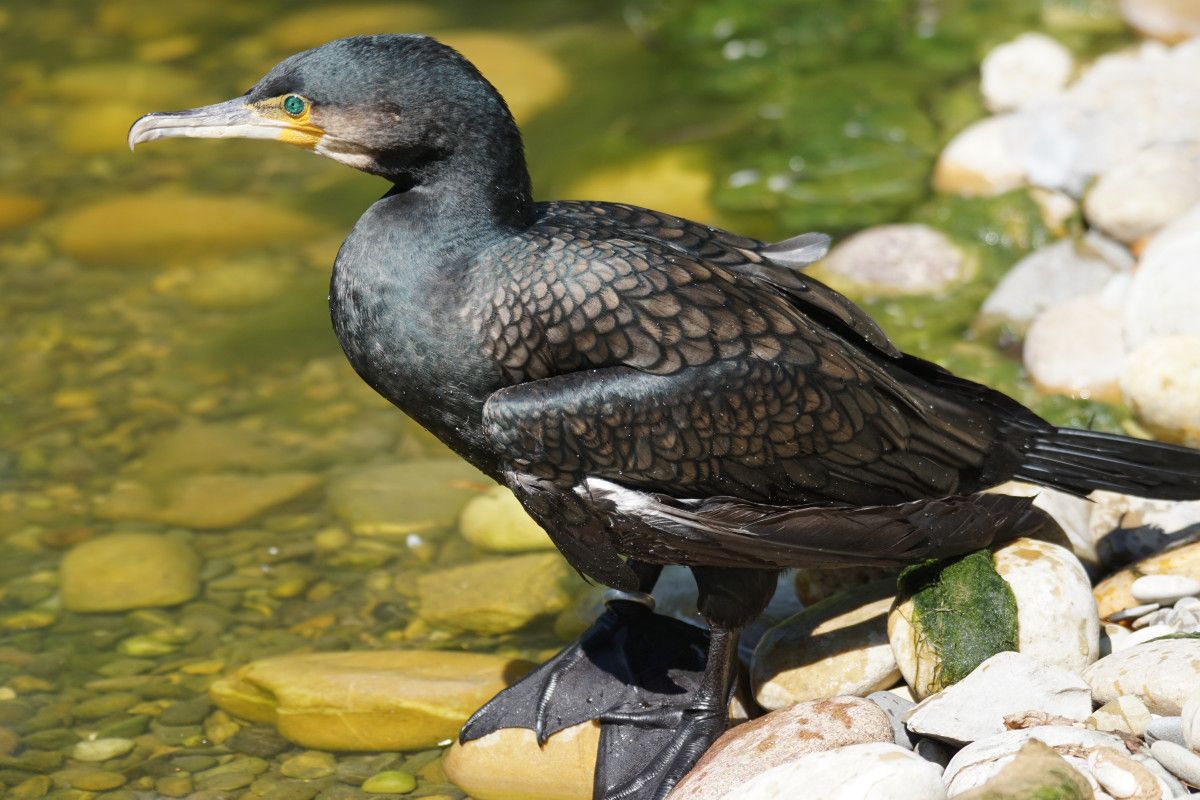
(372, 701)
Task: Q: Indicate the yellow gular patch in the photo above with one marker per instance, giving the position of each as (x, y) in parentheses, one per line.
(300, 131)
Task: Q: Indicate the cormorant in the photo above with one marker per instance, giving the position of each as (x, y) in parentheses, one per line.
(655, 391)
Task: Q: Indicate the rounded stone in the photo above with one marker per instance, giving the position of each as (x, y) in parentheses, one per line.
(376, 700)
(310, 766)
(101, 749)
(869, 771)
(1114, 593)
(979, 762)
(1161, 297)
(495, 521)
(1167, 20)
(1190, 721)
(169, 225)
(1163, 674)
(391, 782)
(675, 181)
(1136, 198)
(423, 496)
(985, 158)
(895, 260)
(779, 737)
(1160, 381)
(1028, 70)
(97, 780)
(508, 764)
(529, 78)
(1179, 761)
(836, 647)
(128, 570)
(1164, 589)
(1076, 348)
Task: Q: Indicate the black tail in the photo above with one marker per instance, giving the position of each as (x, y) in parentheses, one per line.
(1079, 461)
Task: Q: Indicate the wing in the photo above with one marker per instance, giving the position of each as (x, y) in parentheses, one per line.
(608, 453)
(774, 265)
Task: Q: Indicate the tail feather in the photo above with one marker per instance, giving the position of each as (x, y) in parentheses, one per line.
(1079, 462)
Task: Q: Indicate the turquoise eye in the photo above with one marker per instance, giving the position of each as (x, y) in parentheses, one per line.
(294, 105)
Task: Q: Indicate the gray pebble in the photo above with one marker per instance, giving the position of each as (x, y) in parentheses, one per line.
(1165, 729)
(895, 708)
(932, 750)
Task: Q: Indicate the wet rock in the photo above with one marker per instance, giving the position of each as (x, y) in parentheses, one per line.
(836, 647)
(1076, 348)
(101, 749)
(1035, 771)
(17, 210)
(390, 782)
(1159, 300)
(979, 762)
(496, 522)
(128, 570)
(315, 26)
(1162, 674)
(510, 765)
(162, 226)
(1126, 714)
(351, 700)
(1004, 685)
(1179, 761)
(1165, 589)
(1030, 69)
(983, 159)
(1114, 593)
(1047, 277)
(211, 501)
(1168, 20)
(895, 259)
(999, 603)
(395, 500)
(781, 737)
(869, 771)
(1160, 381)
(529, 78)
(497, 595)
(1135, 198)
(675, 181)
(310, 765)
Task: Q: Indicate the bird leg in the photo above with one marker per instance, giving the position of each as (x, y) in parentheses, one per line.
(690, 728)
(629, 658)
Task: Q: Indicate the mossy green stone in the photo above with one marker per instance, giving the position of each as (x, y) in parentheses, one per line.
(392, 782)
(964, 611)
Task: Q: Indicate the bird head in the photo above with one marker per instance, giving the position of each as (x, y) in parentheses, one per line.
(404, 107)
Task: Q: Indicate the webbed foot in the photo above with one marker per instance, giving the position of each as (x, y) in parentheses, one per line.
(683, 735)
(629, 658)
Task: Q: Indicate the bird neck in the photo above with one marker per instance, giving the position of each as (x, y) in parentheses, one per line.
(480, 185)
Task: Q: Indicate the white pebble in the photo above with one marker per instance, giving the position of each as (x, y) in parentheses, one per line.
(1179, 761)
(1134, 612)
(1165, 729)
(1116, 781)
(1143, 635)
(101, 749)
(1164, 589)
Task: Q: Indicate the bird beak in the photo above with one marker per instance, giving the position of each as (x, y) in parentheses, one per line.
(231, 119)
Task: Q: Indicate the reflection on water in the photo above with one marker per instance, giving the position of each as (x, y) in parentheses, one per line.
(169, 374)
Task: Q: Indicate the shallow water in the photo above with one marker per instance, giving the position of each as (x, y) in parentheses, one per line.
(167, 358)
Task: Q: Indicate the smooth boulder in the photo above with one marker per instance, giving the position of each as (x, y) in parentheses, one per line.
(1163, 673)
(366, 700)
(508, 764)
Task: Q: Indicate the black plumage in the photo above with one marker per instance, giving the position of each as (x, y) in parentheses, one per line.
(655, 391)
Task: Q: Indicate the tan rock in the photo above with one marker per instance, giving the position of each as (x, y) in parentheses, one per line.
(509, 765)
(17, 210)
(497, 595)
(1167, 20)
(215, 501)
(895, 260)
(1076, 348)
(1160, 381)
(128, 570)
(1114, 592)
(779, 737)
(675, 181)
(373, 701)
(1125, 714)
(836, 647)
(1163, 674)
(395, 500)
(984, 159)
(495, 521)
(868, 771)
(528, 77)
(165, 225)
(315, 26)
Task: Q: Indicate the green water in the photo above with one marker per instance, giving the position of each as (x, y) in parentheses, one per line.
(770, 118)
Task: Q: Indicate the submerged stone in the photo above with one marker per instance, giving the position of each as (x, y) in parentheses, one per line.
(128, 570)
(496, 521)
(395, 500)
(206, 501)
(17, 210)
(497, 595)
(371, 701)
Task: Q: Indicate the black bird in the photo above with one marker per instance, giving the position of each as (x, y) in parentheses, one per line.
(655, 391)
